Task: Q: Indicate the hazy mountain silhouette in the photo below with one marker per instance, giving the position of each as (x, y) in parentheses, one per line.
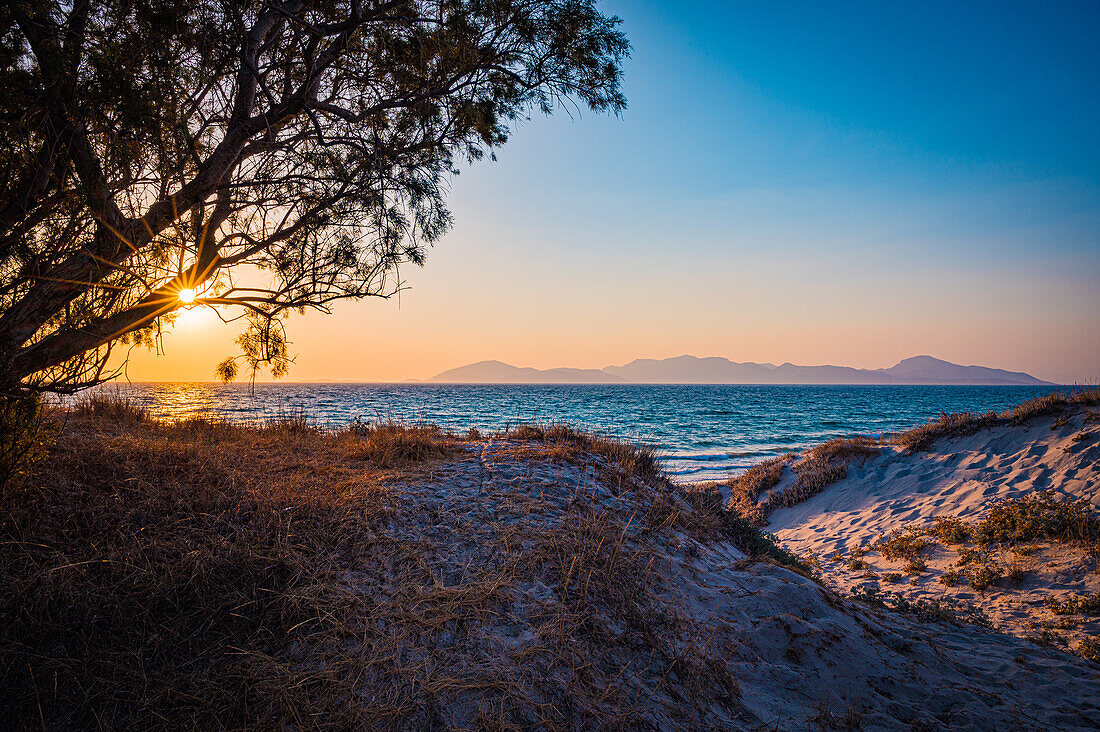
(716, 370)
(496, 372)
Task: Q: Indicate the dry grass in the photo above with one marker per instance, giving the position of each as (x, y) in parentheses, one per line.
(814, 469)
(637, 461)
(965, 423)
(206, 575)
(948, 425)
(392, 444)
(109, 408)
(167, 572)
(746, 488)
(821, 466)
(1053, 403)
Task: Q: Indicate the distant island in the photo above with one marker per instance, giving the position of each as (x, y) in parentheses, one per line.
(716, 370)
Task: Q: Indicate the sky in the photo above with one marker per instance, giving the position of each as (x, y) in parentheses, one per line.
(849, 183)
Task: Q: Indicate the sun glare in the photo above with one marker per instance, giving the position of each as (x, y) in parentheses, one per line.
(187, 296)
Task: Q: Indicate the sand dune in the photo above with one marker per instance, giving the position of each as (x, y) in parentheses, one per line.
(961, 477)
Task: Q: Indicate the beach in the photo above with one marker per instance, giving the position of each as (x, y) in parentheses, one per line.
(402, 576)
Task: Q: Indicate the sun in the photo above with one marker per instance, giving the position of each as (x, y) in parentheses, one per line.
(187, 296)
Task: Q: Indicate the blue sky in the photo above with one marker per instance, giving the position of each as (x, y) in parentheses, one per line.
(843, 182)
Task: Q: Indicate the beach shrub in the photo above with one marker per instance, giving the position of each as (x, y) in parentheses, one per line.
(937, 610)
(950, 530)
(855, 561)
(1047, 638)
(1015, 572)
(969, 556)
(1039, 516)
(981, 576)
(1074, 604)
(916, 565)
(902, 544)
(1089, 648)
(756, 543)
(949, 578)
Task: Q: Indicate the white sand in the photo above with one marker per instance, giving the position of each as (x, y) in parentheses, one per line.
(959, 477)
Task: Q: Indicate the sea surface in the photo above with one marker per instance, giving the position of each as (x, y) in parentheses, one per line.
(702, 432)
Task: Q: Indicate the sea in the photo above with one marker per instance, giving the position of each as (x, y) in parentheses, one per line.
(701, 432)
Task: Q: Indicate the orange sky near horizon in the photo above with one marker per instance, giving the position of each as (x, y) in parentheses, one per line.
(471, 303)
(917, 179)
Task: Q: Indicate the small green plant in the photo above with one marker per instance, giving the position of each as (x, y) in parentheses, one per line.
(1015, 572)
(869, 595)
(969, 556)
(855, 559)
(757, 543)
(1060, 422)
(942, 610)
(1074, 604)
(982, 576)
(1047, 638)
(916, 565)
(950, 530)
(1039, 516)
(892, 577)
(1089, 648)
(950, 578)
(1082, 436)
(902, 544)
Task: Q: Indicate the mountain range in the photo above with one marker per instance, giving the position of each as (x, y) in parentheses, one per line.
(716, 370)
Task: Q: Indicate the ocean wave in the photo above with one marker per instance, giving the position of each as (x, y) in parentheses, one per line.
(718, 471)
(699, 457)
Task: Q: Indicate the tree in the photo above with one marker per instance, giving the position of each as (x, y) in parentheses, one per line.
(263, 156)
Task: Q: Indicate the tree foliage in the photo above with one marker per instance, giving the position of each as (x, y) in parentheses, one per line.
(269, 156)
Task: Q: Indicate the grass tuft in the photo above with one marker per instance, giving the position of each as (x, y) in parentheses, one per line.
(745, 489)
(637, 461)
(393, 444)
(109, 408)
(947, 425)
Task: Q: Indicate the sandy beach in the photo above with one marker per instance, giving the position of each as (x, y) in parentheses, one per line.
(407, 578)
(901, 493)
